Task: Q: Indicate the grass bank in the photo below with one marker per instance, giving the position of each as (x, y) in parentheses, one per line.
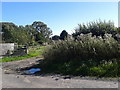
(33, 51)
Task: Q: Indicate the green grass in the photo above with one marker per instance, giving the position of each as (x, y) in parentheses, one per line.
(76, 68)
(33, 51)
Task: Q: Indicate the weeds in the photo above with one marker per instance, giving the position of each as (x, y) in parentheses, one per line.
(86, 56)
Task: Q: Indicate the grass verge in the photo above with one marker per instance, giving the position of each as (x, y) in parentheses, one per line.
(33, 51)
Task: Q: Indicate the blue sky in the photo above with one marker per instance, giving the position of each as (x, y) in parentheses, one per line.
(59, 15)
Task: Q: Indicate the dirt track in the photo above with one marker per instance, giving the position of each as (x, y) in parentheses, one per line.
(11, 78)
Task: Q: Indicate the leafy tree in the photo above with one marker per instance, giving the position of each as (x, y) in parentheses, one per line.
(55, 37)
(118, 30)
(29, 34)
(41, 31)
(8, 31)
(15, 34)
(63, 35)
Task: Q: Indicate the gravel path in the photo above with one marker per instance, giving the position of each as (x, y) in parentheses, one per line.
(16, 65)
(11, 79)
(24, 81)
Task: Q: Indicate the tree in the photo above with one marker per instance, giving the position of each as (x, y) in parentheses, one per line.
(8, 32)
(41, 31)
(118, 30)
(55, 37)
(16, 34)
(63, 35)
(29, 34)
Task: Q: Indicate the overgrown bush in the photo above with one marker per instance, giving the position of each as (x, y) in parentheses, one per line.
(85, 48)
(83, 56)
(108, 70)
(97, 28)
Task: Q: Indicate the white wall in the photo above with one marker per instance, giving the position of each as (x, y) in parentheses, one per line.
(4, 47)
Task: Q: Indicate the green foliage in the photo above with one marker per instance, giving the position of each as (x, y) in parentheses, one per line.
(81, 69)
(109, 69)
(15, 34)
(55, 37)
(97, 71)
(98, 28)
(118, 30)
(88, 56)
(42, 32)
(63, 35)
(85, 48)
(28, 35)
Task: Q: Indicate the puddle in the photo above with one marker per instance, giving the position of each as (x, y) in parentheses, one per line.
(32, 70)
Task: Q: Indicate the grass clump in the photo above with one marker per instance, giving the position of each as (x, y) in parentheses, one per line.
(86, 56)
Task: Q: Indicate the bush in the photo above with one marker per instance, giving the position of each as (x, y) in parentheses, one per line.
(111, 69)
(107, 70)
(86, 56)
(84, 49)
(97, 71)
(97, 28)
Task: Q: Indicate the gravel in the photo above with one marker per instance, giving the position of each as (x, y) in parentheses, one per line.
(11, 78)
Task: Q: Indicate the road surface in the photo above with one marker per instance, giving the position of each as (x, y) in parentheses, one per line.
(11, 79)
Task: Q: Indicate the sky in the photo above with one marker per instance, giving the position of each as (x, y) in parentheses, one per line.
(59, 15)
